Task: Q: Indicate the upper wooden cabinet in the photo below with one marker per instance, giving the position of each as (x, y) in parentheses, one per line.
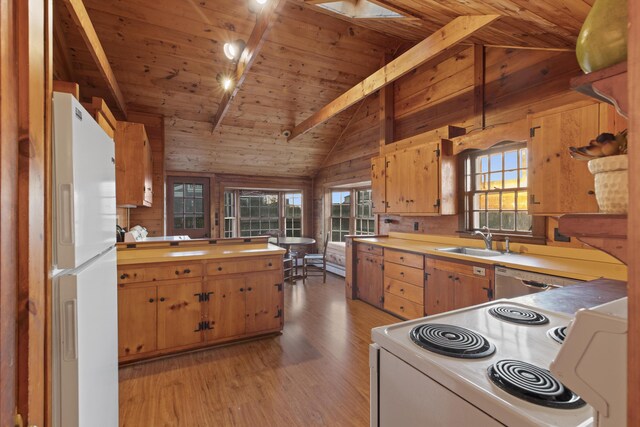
(557, 183)
(419, 180)
(134, 166)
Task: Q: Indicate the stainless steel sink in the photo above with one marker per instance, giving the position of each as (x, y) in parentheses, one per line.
(471, 251)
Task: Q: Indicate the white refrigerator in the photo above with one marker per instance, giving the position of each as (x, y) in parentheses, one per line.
(85, 332)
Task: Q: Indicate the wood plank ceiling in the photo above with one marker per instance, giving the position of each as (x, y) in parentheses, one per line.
(166, 55)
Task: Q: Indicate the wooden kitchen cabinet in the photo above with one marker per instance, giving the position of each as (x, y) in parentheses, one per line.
(404, 283)
(419, 180)
(369, 277)
(558, 184)
(169, 307)
(451, 285)
(134, 166)
(137, 321)
(179, 314)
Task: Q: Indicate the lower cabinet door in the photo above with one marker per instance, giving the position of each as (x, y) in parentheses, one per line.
(370, 279)
(438, 291)
(137, 319)
(264, 302)
(179, 314)
(471, 290)
(226, 308)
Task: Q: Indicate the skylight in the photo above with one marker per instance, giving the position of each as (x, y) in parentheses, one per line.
(360, 9)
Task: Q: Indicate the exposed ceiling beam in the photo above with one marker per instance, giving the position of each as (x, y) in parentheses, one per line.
(81, 18)
(448, 36)
(259, 34)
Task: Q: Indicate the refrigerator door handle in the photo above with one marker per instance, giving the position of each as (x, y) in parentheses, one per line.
(65, 214)
(69, 331)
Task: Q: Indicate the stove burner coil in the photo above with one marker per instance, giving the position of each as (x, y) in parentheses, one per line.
(558, 333)
(453, 341)
(533, 384)
(518, 315)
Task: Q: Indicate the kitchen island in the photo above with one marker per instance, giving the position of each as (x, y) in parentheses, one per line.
(180, 296)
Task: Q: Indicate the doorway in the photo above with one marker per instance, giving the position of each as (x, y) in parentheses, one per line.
(188, 207)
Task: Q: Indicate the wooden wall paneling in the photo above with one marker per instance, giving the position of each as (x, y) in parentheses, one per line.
(153, 218)
(447, 37)
(633, 233)
(34, 37)
(9, 132)
(81, 18)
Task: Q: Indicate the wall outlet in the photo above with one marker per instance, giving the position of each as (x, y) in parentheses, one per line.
(416, 226)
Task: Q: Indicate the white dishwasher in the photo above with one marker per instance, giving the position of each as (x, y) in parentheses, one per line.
(512, 283)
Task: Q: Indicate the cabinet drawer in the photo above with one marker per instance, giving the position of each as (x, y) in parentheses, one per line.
(403, 273)
(371, 249)
(404, 258)
(165, 272)
(244, 266)
(402, 307)
(476, 270)
(405, 290)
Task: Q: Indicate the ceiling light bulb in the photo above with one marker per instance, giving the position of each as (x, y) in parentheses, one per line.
(261, 1)
(226, 83)
(233, 50)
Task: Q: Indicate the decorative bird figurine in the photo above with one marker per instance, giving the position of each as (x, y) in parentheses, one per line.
(605, 144)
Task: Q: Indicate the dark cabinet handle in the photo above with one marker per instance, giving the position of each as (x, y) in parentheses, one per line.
(151, 300)
(401, 258)
(402, 290)
(219, 268)
(249, 289)
(177, 273)
(241, 289)
(591, 192)
(456, 278)
(450, 276)
(402, 307)
(270, 265)
(187, 271)
(124, 276)
(162, 299)
(402, 273)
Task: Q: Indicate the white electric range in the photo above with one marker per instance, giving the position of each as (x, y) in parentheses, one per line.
(415, 386)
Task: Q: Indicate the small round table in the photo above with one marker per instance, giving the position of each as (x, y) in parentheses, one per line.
(287, 242)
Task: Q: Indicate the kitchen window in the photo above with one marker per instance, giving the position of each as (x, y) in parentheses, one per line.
(496, 190)
(250, 212)
(293, 214)
(340, 215)
(364, 219)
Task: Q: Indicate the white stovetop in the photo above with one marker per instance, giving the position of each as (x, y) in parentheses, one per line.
(468, 377)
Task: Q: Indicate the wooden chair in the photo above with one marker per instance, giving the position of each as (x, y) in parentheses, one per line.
(316, 260)
(290, 259)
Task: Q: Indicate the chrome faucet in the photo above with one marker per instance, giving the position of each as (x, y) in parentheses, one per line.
(487, 237)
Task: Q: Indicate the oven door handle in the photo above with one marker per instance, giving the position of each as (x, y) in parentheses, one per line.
(538, 285)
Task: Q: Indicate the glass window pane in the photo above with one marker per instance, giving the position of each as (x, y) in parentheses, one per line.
(496, 162)
(508, 221)
(493, 201)
(188, 190)
(523, 178)
(199, 205)
(189, 205)
(524, 221)
(188, 222)
(511, 179)
(199, 190)
(508, 201)
(200, 221)
(523, 158)
(482, 164)
(479, 201)
(177, 190)
(511, 160)
(335, 236)
(523, 199)
(344, 211)
(479, 219)
(495, 181)
(493, 219)
(177, 205)
(177, 222)
(482, 182)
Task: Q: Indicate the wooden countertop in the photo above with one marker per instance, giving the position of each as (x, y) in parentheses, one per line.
(192, 253)
(570, 299)
(581, 264)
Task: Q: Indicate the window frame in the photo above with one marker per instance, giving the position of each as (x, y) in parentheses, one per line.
(285, 217)
(537, 232)
(357, 217)
(341, 218)
(353, 217)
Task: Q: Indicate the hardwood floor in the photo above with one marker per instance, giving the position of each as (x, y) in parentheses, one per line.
(315, 374)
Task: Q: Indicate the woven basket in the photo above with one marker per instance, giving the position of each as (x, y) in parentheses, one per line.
(612, 183)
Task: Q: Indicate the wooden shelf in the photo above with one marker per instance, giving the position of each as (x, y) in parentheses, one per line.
(601, 231)
(608, 85)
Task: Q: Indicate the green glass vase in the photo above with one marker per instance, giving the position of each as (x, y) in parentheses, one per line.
(603, 39)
